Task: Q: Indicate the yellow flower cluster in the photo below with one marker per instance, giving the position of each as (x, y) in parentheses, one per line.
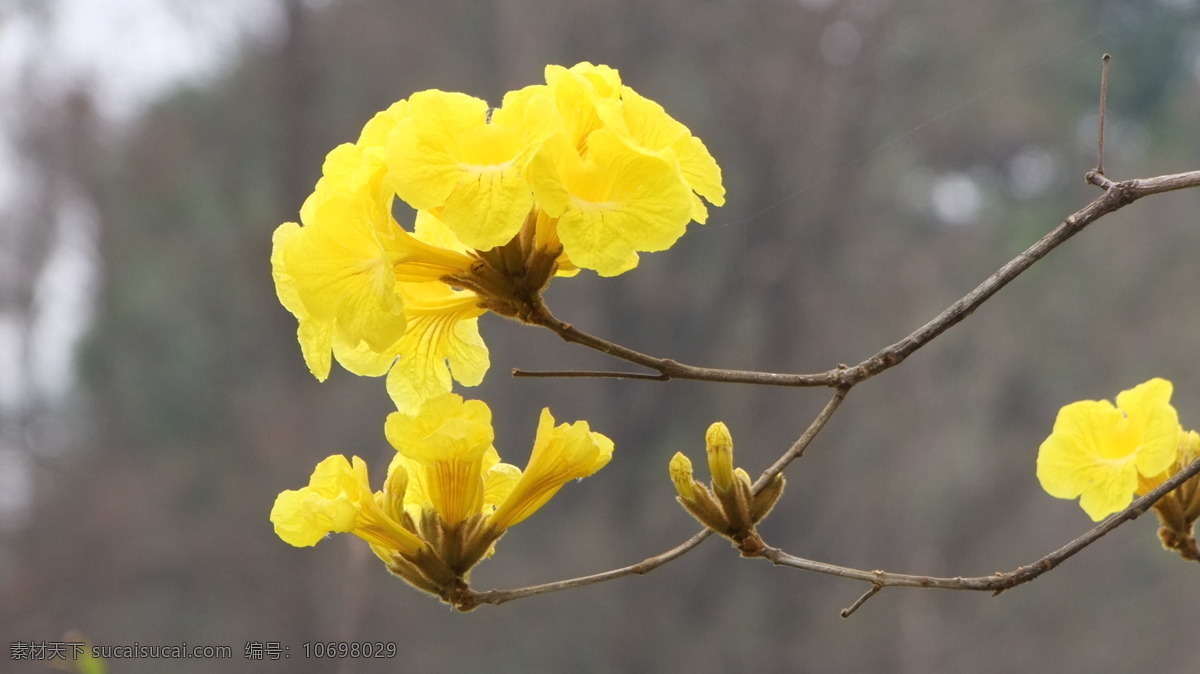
(447, 497)
(579, 172)
(1107, 454)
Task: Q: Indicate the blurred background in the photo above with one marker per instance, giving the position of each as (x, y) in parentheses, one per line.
(881, 159)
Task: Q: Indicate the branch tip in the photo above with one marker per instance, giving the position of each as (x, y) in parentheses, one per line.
(1103, 105)
(849, 610)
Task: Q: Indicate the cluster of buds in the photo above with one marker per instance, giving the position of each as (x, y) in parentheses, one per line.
(729, 506)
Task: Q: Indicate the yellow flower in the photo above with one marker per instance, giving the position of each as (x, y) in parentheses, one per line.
(445, 450)
(450, 155)
(645, 125)
(339, 274)
(338, 499)
(560, 454)
(335, 275)
(578, 173)
(1098, 451)
(612, 203)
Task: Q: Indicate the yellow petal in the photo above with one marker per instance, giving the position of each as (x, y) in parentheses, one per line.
(448, 155)
(1155, 421)
(444, 447)
(361, 358)
(335, 275)
(430, 229)
(499, 481)
(560, 454)
(604, 81)
(442, 342)
(612, 204)
(330, 503)
(645, 125)
(376, 131)
(1083, 440)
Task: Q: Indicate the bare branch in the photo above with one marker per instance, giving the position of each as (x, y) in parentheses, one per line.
(497, 597)
(1104, 61)
(797, 449)
(849, 610)
(995, 583)
(518, 372)
(1115, 197)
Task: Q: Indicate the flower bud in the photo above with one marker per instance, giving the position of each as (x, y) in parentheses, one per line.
(720, 456)
(681, 474)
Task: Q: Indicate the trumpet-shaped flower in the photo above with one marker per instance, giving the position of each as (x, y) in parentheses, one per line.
(1097, 451)
(339, 273)
(645, 125)
(446, 450)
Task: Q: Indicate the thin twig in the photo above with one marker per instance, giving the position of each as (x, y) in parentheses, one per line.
(849, 610)
(998, 582)
(1115, 197)
(797, 449)
(1104, 60)
(589, 374)
(497, 597)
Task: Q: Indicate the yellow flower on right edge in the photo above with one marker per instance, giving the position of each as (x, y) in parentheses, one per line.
(1104, 455)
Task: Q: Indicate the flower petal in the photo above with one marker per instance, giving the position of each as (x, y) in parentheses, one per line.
(444, 449)
(1148, 407)
(442, 341)
(449, 155)
(330, 503)
(560, 454)
(612, 204)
